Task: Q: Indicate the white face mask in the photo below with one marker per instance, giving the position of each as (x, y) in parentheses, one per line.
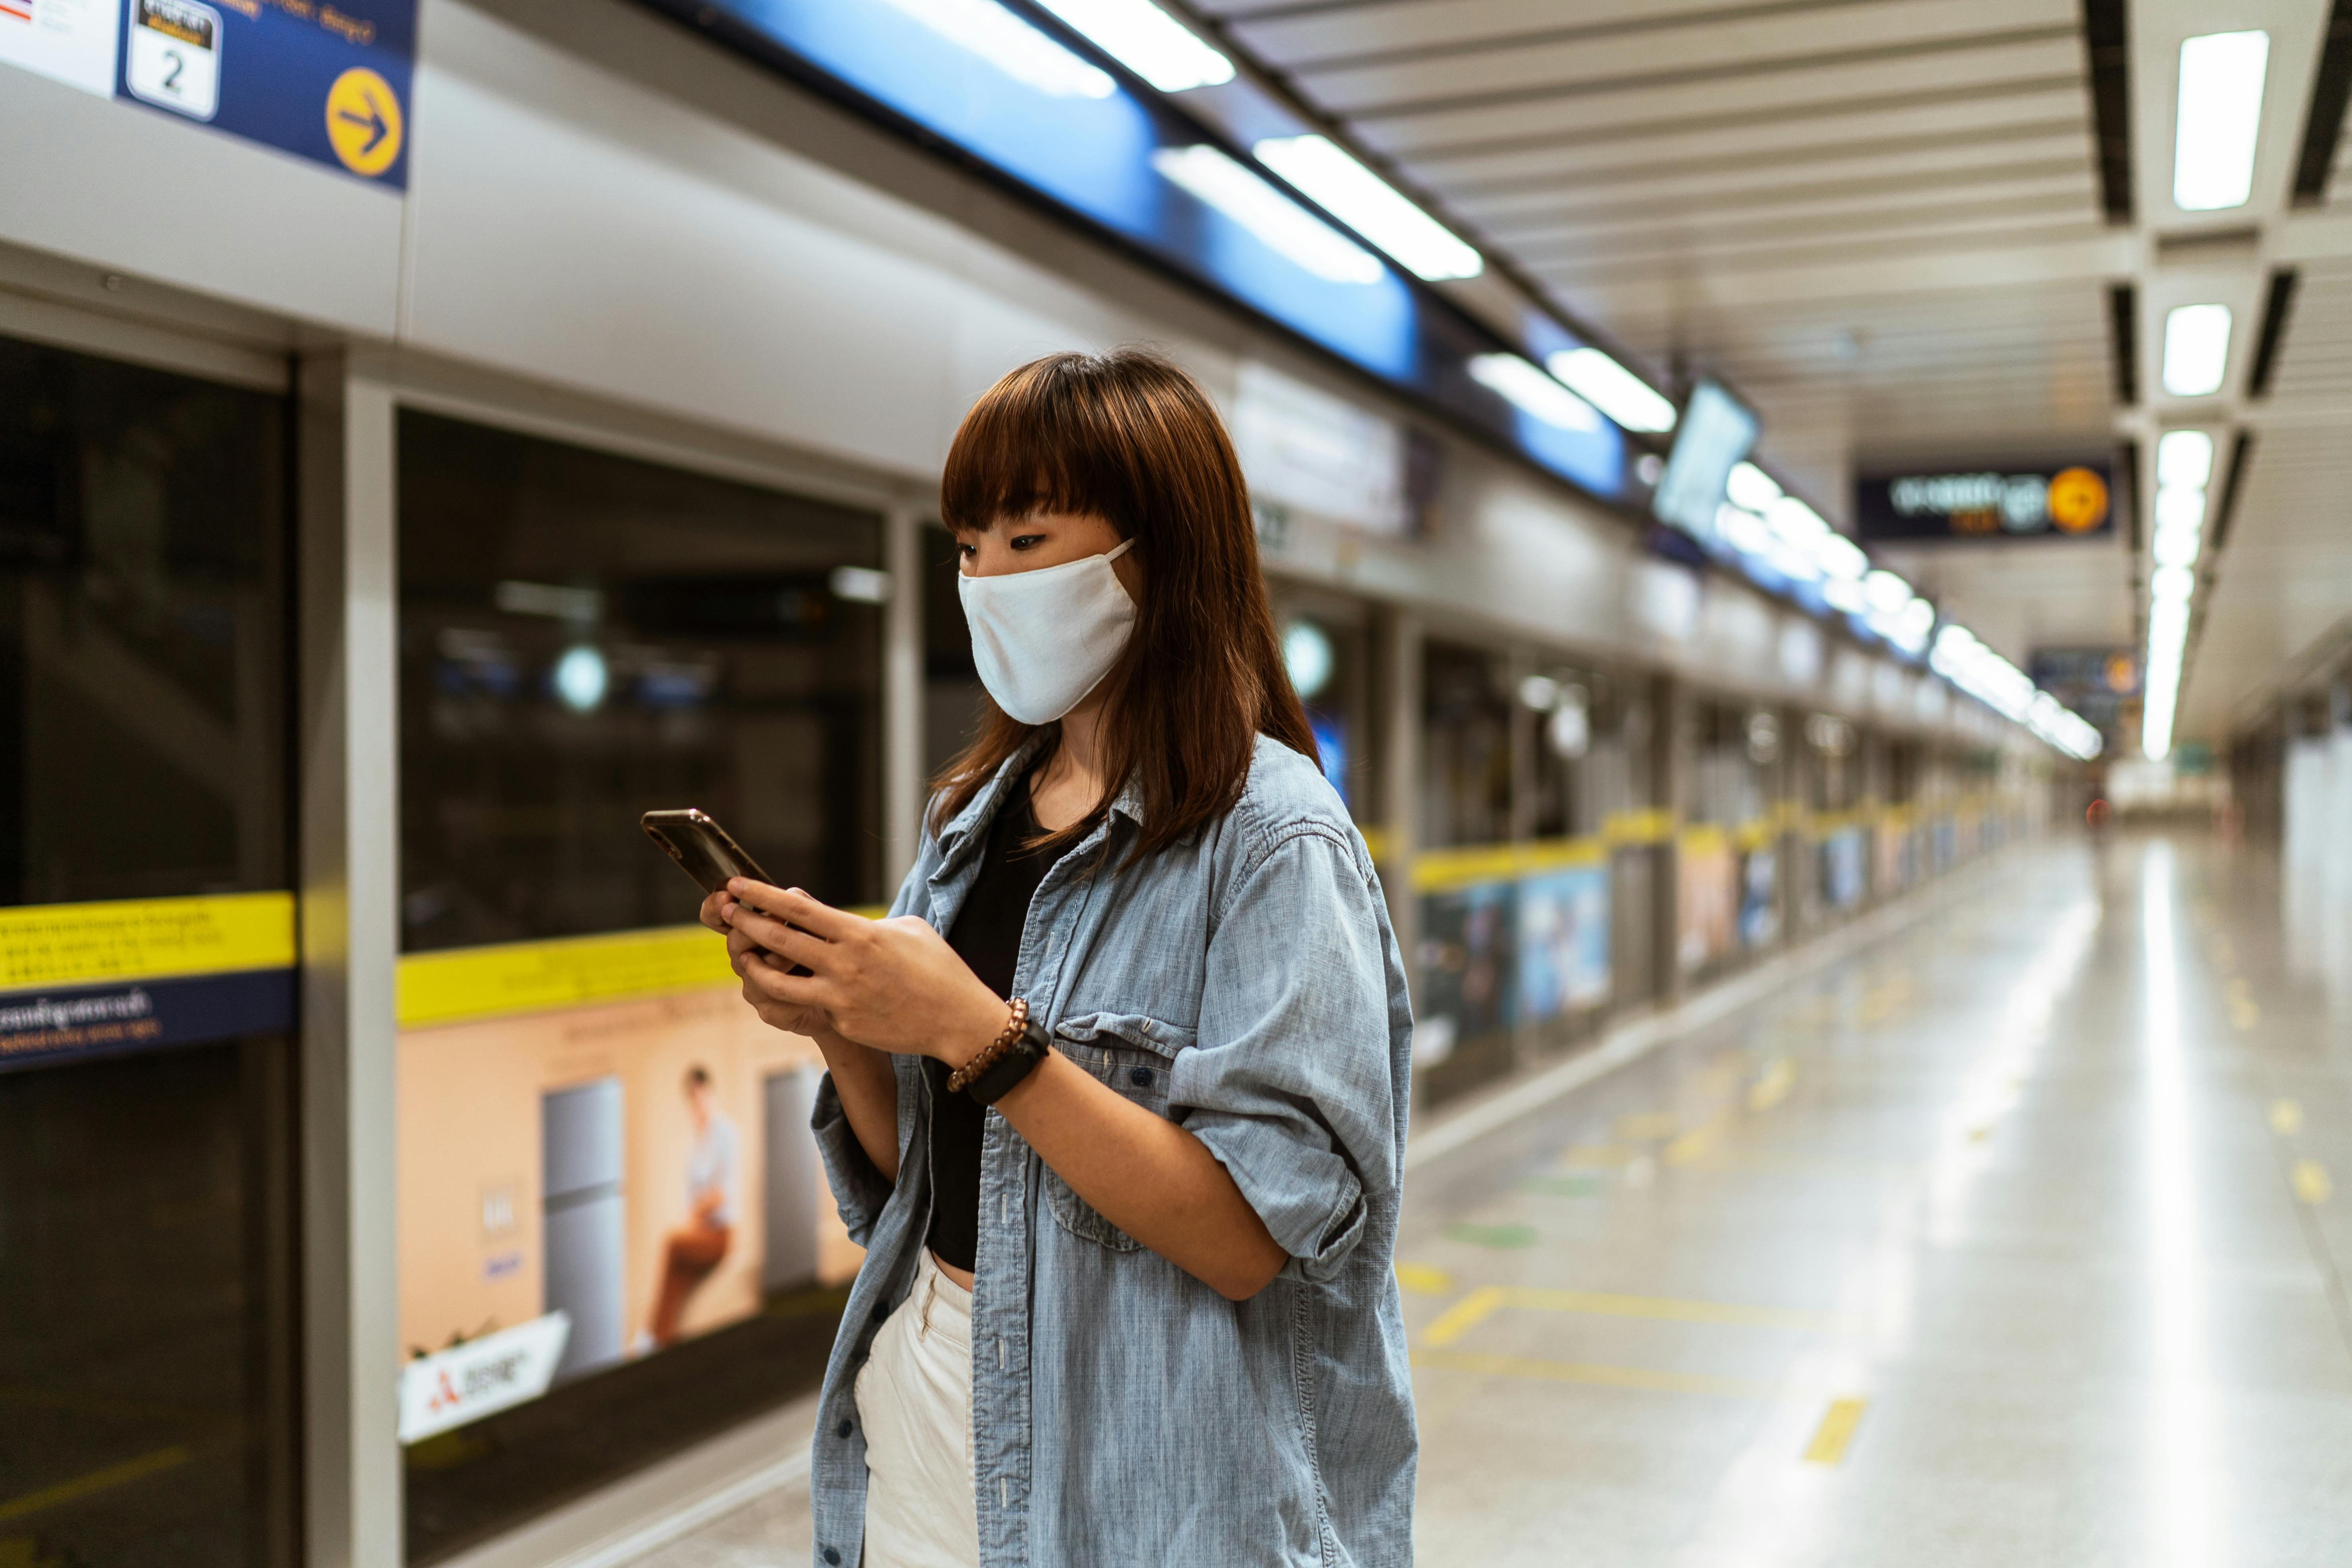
(1044, 640)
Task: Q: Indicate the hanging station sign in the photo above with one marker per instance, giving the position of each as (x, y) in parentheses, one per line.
(2063, 501)
(324, 81)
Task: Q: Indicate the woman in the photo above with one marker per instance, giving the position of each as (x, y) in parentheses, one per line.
(1117, 1099)
(693, 1249)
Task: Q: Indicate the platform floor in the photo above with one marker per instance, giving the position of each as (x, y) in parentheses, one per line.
(2010, 1239)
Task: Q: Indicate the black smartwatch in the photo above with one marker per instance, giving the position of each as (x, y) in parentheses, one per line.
(1029, 1048)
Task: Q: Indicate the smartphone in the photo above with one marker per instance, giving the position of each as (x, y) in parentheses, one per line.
(704, 851)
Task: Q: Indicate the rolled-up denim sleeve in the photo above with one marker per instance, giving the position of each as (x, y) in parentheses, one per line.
(860, 1188)
(1290, 1082)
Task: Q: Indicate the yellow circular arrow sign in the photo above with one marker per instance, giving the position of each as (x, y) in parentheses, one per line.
(364, 122)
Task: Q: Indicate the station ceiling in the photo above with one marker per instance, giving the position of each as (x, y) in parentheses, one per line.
(1890, 225)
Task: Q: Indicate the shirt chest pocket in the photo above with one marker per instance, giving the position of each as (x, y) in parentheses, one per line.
(1132, 1055)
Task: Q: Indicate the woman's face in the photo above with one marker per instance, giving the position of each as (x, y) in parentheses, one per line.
(1041, 540)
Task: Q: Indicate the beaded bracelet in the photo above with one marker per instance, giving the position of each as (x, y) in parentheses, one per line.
(993, 1052)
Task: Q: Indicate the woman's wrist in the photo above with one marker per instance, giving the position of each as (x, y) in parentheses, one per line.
(979, 1020)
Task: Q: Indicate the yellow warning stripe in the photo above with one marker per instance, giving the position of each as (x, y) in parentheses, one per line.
(46, 945)
(1446, 870)
(507, 979)
(96, 1481)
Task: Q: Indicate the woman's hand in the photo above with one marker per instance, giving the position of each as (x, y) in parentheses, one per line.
(717, 912)
(893, 985)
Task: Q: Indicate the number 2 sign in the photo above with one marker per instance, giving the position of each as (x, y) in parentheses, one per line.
(173, 55)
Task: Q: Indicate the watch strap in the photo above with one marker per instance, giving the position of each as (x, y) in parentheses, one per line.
(1029, 1048)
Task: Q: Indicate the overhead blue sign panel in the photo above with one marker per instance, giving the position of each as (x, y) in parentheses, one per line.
(1064, 126)
(325, 83)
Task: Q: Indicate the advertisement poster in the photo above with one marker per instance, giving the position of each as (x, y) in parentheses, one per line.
(1707, 909)
(1469, 943)
(1759, 898)
(1898, 858)
(1843, 879)
(640, 1170)
(1563, 941)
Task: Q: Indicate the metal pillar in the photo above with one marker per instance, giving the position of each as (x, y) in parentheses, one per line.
(1400, 634)
(347, 751)
(902, 695)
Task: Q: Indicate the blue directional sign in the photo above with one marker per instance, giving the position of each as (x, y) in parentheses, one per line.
(326, 82)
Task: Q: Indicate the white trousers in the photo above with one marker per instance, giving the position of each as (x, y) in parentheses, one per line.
(914, 1399)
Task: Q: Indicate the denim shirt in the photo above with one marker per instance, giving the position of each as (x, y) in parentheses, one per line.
(1244, 983)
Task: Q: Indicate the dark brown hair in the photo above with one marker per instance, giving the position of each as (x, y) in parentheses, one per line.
(1129, 437)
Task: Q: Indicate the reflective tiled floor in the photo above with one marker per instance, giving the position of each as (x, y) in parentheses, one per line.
(2012, 1239)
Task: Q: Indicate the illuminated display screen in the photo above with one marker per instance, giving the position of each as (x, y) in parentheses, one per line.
(1052, 118)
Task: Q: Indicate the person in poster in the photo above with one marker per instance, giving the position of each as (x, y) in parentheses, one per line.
(695, 1248)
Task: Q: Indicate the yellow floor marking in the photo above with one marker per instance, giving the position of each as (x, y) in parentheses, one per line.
(2311, 1184)
(1463, 1315)
(1650, 1379)
(2286, 1118)
(1424, 1281)
(1694, 1143)
(1662, 1308)
(1647, 1127)
(1486, 1300)
(96, 1481)
(1836, 1430)
(1773, 1087)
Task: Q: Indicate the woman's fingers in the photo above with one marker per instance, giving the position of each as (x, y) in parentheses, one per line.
(713, 912)
(773, 981)
(792, 904)
(794, 947)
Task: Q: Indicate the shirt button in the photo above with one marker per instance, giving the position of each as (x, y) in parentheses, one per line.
(832, 1556)
(1140, 1078)
(842, 1430)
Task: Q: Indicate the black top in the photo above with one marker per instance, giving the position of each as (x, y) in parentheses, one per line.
(987, 936)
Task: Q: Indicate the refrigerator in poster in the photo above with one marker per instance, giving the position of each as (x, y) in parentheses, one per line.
(1563, 941)
(1759, 898)
(640, 1168)
(1843, 868)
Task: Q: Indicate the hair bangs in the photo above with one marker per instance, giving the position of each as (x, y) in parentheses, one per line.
(1034, 443)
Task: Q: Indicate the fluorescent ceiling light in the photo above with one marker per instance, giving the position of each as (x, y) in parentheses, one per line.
(1841, 557)
(1281, 223)
(1742, 529)
(1146, 41)
(1887, 591)
(1614, 390)
(2171, 584)
(1794, 562)
(2178, 506)
(1535, 392)
(1012, 46)
(1751, 487)
(1912, 624)
(2196, 349)
(1370, 204)
(2185, 457)
(2176, 546)
(1843, 594)
(2220, 120)
(1795, 522)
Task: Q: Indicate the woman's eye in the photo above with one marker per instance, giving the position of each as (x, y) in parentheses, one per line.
(967, 552)
(1027, 541)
